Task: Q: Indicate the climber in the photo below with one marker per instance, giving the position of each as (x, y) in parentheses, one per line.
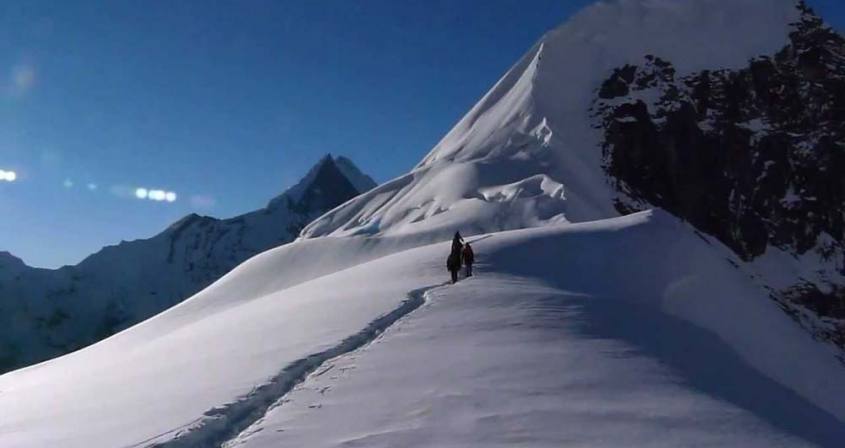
(457, 243)
(453, 262)
(469, 258)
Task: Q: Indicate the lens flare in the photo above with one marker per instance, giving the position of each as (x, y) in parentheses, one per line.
(8, 176)
(156, 195)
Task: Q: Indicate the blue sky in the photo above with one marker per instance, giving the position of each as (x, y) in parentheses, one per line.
(226, 103)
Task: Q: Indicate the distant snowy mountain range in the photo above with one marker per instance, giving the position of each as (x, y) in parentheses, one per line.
(46, 313)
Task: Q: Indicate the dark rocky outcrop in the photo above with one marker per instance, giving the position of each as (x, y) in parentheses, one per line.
(754, 157)
(329, 188)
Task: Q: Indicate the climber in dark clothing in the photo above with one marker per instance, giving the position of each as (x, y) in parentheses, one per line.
(453, 263)
(457, 243)
(469, 257)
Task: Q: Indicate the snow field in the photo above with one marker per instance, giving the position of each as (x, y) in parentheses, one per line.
(550, 345)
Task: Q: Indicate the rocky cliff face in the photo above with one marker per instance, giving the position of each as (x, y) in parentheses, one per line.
(754, 157)
(46, 313)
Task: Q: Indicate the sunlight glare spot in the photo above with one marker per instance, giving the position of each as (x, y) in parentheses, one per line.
(8, 176)
(157, 195)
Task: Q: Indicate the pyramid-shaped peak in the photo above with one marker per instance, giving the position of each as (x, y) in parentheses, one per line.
(361, 181)
(536, 119)
(554, 82)
(333, 179)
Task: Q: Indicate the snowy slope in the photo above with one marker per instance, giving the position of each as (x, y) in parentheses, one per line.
(567, 356)
(557, 338)
(164, 374)
(581, 328)
(46, 313)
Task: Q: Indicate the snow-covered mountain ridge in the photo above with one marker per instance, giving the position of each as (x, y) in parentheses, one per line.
(46, 313)
(614, 100)
(581, 327)
(536, 120)
(316, 356)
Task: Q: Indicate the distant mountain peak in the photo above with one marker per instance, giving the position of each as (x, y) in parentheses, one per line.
(359, 180)
(329, 172)
(123, 284)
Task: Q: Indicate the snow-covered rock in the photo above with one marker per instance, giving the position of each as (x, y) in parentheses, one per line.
(46, 313)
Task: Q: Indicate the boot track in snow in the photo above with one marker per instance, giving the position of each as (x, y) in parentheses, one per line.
(220, 424)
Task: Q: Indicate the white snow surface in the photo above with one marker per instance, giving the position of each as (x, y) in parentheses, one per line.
(163, 374)
(513, 358)
(559, 338)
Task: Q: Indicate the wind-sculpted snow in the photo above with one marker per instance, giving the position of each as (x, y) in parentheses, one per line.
(430, 203)
(535, 120)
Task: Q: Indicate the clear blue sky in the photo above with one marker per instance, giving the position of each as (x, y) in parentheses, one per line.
(227, 103)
